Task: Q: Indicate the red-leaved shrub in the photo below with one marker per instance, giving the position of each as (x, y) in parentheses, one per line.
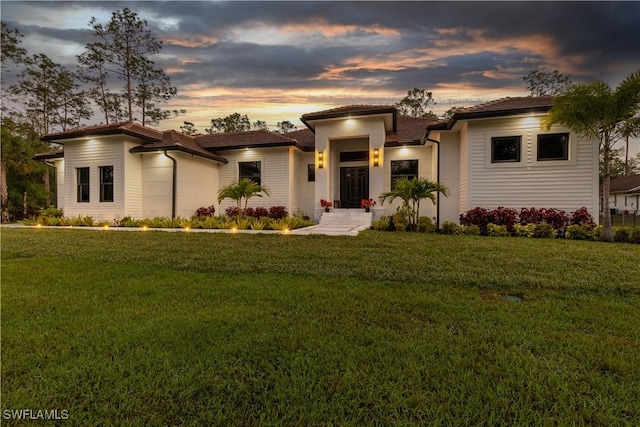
(476, 216)
(504, 216)
(210, 211)
(278, 212)
(582, 216)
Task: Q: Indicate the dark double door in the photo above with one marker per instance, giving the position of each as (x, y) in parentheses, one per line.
(354, 186)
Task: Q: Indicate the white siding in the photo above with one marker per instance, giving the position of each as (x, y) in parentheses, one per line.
(157, 184)
(464, 169)
(197, 184)
(94, 153)
(275, 164)
(566, 185)
(304, 188)
(133, 185)
(60, 184)
(450, 176)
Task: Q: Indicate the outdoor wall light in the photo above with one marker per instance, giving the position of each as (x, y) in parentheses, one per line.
(376, 157)
(320, 160)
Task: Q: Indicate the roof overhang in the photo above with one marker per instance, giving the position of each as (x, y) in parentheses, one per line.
(141, 149)
(391, 119)
(49, 155)
(81, 133)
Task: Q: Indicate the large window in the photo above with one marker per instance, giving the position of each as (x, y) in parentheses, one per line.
(251, 170)
(354, 156)
(106, 183)
(82, 179)
(505, 149)
(553, 146)
(403, 169)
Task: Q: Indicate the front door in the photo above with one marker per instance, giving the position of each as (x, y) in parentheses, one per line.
(354, 186)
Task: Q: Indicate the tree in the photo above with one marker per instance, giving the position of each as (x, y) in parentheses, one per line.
(619, 164)
(285, 126)
(595, 111)
(232, 123)
(189, 128)
(413, 191)
(259, 125)
(243, 189)
(541, 83)
(19, 173)
(630, 129)
(415, 104)
(123, 48)
(11, 51)
(449, 113)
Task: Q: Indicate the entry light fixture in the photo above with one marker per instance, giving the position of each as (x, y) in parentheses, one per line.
(320, 159)
(376, 157)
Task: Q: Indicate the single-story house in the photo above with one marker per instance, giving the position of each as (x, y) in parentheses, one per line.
(624, 195)
(490, 155)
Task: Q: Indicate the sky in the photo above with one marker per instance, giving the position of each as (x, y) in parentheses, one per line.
(275, 61)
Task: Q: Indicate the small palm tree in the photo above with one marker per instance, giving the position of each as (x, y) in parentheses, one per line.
(414, 191)
(242, 189)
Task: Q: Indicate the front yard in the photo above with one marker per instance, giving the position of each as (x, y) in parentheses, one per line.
(156, 328)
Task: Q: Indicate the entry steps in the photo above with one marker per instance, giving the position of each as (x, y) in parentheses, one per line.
(340, 222)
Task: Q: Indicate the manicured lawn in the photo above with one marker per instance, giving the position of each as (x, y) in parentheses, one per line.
(155, 328)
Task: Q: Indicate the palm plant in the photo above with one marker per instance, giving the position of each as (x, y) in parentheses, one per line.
(243, 189)
(595, 111)
(412, 192)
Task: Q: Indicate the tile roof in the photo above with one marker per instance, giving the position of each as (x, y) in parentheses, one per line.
(305, 138)
(497, 108)
(245, 139)
(126, 128)
(172, 140)
(411, 130)
(358, 110)
(625, 184)
(55, 154)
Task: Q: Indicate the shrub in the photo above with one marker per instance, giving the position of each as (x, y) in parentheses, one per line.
(597, 232)
(278, 212)
(382, 224)
(250, 212)
(80, 220)
(582, 216)
(504, 216)
(497, 230)
(210, 211)
(400, 221)
(579, 232)
(557, 218)
(449, 227)
(232, 211)
(128, 221)
(531, 216)
(471, 230)
(261, 212)
(476, 216)
(544, 230)
(52, 212)
(426, 225)
(209, 222)
(622, 234)
(635, 236)
(258, 224)
(525, 230)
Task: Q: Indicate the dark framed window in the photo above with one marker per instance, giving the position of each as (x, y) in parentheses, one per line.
(311, 172)
(251, 170)
(505, 149)
(403, 169)
(82, 179)
(354, 156)
(553, 146)
(106, 183)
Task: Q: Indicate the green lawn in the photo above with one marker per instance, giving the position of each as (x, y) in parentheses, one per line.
(156, 328)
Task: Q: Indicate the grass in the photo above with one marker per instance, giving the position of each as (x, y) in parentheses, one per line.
(133, 328)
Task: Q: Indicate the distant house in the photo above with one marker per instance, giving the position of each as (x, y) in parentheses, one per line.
(624, 195)
(489, 155)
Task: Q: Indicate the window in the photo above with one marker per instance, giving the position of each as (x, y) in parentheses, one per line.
(354, 156)
(505, 149)
(106, 183)
(553, 146)
(82, 178)
(311, 172)
(251, 170)
(403, 169)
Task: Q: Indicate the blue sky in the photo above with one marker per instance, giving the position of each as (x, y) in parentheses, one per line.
(278, 60)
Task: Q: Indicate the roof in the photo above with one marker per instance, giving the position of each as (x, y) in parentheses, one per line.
(176, 141)
(350, 110)
(411, 130)
(498, 108)
(305, 138)
(245, 139)
(125, 128)
(625, 184)
(55, 154)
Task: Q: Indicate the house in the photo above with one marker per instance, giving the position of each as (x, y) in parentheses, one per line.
(490, 155)
(624, 195)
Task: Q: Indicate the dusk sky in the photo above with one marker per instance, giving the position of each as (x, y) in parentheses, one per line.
(275, 61)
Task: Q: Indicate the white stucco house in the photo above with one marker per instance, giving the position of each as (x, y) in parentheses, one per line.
(490, 155)
(624, 195)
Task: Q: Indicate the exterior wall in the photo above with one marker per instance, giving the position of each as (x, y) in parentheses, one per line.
(562, 184)
(302, 186)
(133, 187)
(276, 176)
(197, 184)
(94, 153)
(424, 155)
(450, 172)
(157, 182)
(60, 184)
(625, 202)
(464, 169)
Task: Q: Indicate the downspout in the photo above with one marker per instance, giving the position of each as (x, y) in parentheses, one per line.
(174, 185)
(437, 178)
